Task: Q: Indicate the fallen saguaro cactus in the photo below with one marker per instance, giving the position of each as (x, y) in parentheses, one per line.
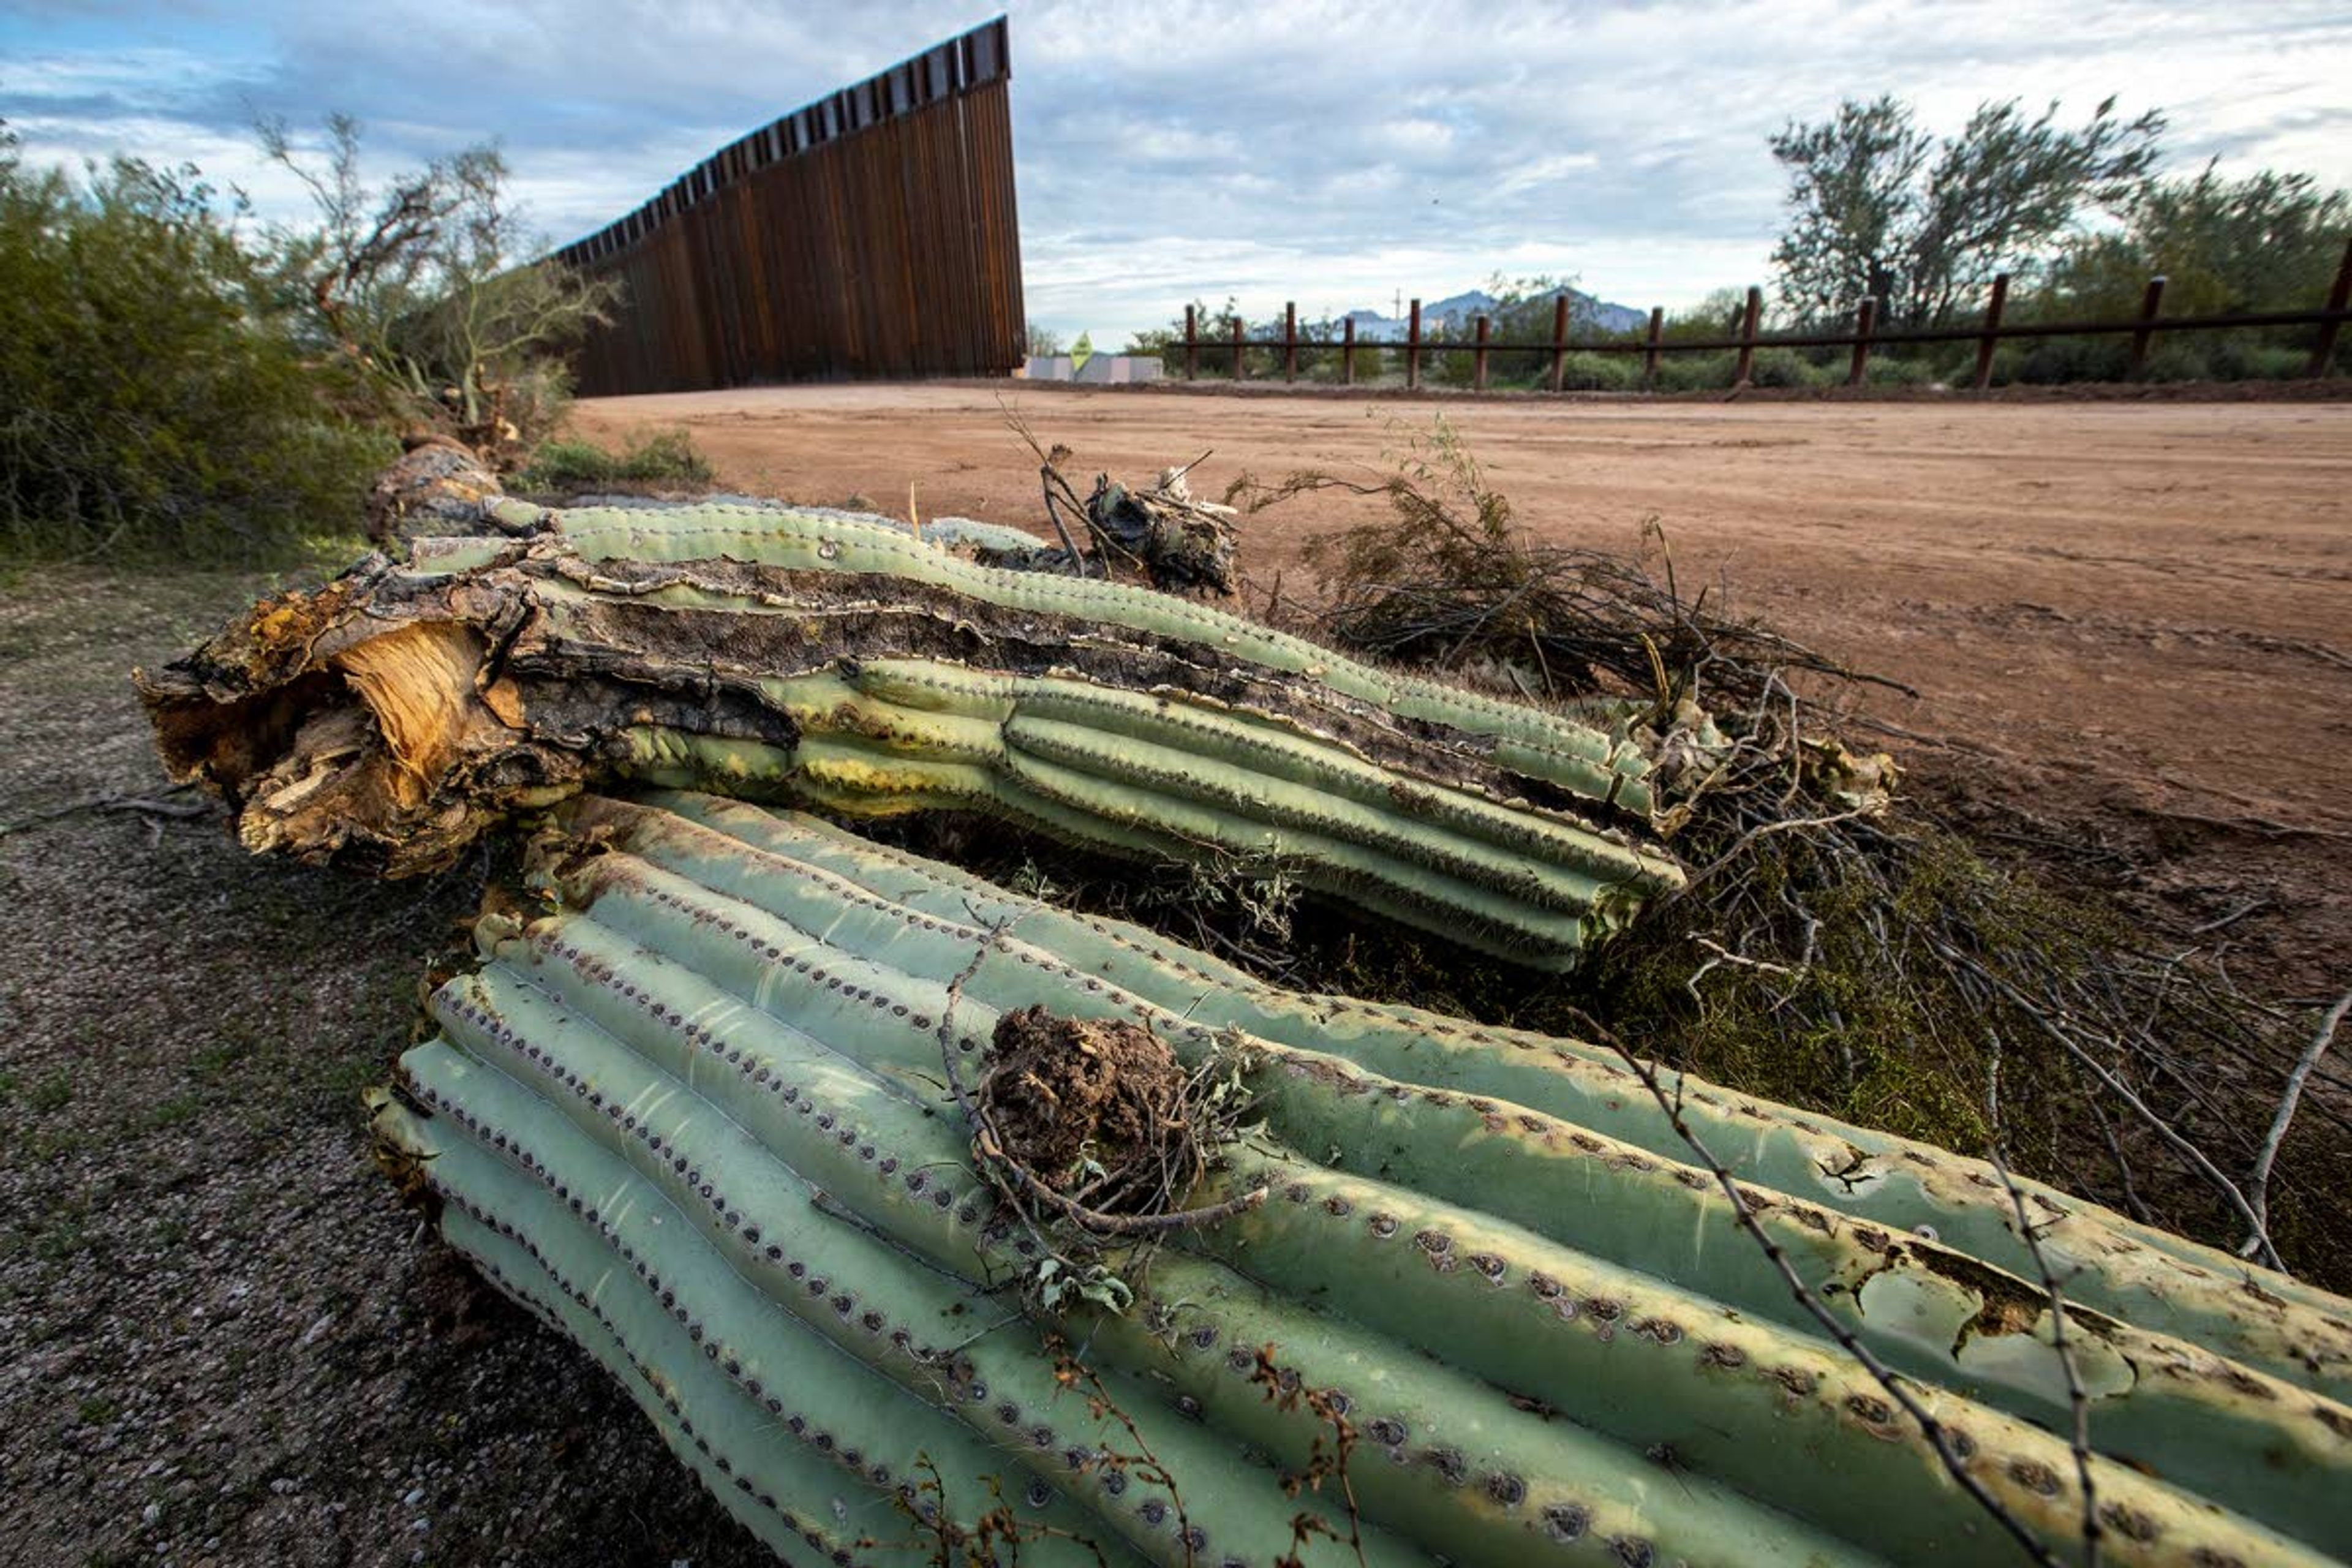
(1453, 1293)
(393, 715)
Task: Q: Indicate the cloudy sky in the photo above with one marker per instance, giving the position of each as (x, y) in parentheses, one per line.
(1339, 154)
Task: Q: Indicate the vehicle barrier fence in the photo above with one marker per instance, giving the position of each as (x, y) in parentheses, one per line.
(1747, 341)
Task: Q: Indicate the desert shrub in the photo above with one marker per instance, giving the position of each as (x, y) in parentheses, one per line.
(1784, 367)
(1599, 372)
(2231, 356)
(2056, 361)
(1324, 366)
(2179, 359)
(1451, 368)
(421, 293)
(151, 403)
(668, 461)
(1696, 372)
(1887, 371)
(2243, 356)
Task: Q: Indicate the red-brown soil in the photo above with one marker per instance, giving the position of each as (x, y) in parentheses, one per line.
(2130, 623)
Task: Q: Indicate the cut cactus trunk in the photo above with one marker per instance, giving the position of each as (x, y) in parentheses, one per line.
(706, 1117)
(390, 717)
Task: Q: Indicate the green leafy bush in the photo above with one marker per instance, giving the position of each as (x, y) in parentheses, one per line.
(1598, 373)
(1887, 371)
(1325, 367)
(1694, 373)
(667, 461)
(2250, 356)
(151, 402)
(1785, 367)
(2056, 361)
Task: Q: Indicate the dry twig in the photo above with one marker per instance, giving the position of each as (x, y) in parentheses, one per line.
(2259, 1183)
(1896, 1386)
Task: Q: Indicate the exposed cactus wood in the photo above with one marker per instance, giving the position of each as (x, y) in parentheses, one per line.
(716, 1069)
(390, 717)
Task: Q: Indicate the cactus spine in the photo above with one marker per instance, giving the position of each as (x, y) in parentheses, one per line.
(397, 713)
(1546, 1337)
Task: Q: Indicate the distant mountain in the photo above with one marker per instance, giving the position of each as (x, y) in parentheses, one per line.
(1586, 315)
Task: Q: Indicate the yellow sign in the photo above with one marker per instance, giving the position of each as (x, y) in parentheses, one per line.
(1081, 352)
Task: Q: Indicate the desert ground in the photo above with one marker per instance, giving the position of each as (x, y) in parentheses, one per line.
(222, 1342)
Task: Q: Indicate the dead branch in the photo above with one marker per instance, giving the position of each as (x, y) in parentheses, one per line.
(2259, 1183)
(2259, 1240)
(1892, 1382)
(2078, 1400)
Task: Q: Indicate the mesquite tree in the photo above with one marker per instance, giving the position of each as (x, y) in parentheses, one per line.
(1880, 210)
(422, 290)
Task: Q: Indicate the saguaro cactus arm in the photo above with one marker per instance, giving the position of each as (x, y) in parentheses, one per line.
(390, 717)
(751, 1037)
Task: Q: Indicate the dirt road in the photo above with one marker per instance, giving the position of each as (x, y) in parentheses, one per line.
(2132, 621)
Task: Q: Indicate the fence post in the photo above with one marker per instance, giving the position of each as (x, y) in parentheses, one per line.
(1866, 317)
(1240, 368)
(1559, 339)
(2338, 297)
(1478, 360)
(1412, 348)
(1192, 346)
(1348, 354)
(1657, 336)
(1991, 339)
(1747, 319)
(2150, 302)
(1290, 339)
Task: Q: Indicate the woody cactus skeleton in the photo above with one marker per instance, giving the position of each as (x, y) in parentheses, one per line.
(699, 1117)
(390, 717)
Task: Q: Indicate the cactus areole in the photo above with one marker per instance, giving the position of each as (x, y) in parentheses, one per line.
(392, 716)
(708, 1116)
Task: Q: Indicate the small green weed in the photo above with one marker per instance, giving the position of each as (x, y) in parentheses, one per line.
(668, 461)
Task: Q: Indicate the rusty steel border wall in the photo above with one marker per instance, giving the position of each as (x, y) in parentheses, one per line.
(871, 234)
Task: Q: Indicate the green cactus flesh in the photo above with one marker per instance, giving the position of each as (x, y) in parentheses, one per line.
(2111, 1264)
(390, 717)
(696, 1117)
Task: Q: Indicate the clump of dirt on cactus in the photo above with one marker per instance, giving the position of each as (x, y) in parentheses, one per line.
(1095, 1110)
